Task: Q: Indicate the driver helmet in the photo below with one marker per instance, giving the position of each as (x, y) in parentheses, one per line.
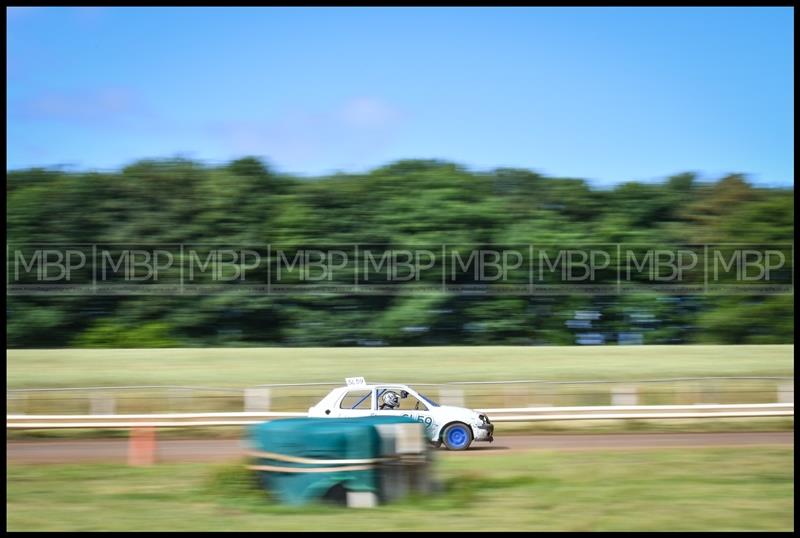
(391, 400)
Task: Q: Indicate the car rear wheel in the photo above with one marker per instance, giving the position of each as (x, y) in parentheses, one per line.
(457, 436)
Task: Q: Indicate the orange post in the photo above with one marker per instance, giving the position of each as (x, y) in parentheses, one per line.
(142, 446)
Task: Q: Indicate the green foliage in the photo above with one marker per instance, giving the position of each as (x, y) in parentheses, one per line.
(748, 320)
(109, 333)
(419, 202)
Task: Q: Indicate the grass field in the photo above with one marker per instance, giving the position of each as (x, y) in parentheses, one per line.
(658, 490)
(239, 367)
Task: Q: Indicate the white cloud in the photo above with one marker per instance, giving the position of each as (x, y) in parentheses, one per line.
(368, 113)
(104, 105)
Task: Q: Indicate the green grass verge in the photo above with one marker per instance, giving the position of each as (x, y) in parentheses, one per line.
(699, 489)
(238, 367)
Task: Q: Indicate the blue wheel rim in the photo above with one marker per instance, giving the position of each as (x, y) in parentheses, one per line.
(457, 437)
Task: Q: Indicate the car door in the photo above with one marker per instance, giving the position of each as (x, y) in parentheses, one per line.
(411, 406)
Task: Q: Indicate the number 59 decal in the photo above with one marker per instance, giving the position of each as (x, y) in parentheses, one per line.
(428, 421)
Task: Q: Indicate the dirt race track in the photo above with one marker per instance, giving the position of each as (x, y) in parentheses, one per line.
(115, 450)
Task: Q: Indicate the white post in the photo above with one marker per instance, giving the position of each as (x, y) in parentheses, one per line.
(509, 395)
(16, 401)
(257, 399)
(451, 396)
(361, 499)
(624, 395)
(786, 392)
(102, 404)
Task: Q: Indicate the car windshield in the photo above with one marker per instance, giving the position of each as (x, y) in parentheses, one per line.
(428, 400)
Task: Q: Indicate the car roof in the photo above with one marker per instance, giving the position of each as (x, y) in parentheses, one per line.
(374, 385)
(371, 386)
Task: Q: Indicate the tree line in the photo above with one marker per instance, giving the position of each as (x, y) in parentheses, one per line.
(402, 203)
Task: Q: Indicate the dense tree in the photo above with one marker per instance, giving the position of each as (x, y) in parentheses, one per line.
(412, 202)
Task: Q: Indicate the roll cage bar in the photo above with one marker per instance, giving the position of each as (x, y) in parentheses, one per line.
(378, 395)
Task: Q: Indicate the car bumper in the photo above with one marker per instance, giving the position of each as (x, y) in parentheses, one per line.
(484, 432)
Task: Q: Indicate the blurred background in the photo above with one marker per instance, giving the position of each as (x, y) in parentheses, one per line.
(408, 202)
(447, 130)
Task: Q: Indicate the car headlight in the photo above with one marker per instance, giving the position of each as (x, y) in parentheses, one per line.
(484, 419)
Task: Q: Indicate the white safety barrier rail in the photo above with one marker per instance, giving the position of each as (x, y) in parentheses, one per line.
(133, 421)
(633, 412)
(626, 412)
(520, 414)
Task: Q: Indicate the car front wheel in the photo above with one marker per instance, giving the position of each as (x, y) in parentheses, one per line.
(457, 436)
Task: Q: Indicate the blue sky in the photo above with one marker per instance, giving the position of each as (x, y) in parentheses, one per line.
(605, 94)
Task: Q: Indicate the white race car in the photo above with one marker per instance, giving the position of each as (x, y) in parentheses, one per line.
(456, 427)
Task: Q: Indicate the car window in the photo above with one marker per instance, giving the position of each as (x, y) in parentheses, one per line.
(412, 403)
(409, 403)
(428, 401)
(357, 399)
